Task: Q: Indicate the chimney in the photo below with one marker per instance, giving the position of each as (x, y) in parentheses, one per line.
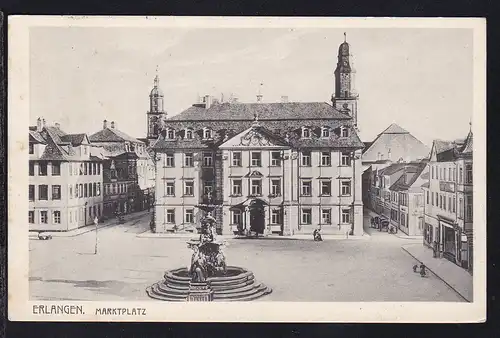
(105, 124)
(207, 100)
(43, 123)
(389, 154)
(38, 124)
(112, 124)
(284, 99)
(58, 126)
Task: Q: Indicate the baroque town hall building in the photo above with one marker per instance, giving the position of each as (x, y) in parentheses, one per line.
(274, 168)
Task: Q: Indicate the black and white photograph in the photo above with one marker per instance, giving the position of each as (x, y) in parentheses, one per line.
(272, 168)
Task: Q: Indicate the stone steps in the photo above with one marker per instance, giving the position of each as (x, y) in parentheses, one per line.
(238, 285)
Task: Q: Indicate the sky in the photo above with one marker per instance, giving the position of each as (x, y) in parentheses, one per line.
(421, 79)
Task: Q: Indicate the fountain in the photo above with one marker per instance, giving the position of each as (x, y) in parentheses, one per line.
(208, 278)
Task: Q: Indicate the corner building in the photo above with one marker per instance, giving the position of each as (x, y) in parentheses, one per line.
(273, 168)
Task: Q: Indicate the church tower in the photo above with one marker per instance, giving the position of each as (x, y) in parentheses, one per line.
(156, 115)
(345, 98)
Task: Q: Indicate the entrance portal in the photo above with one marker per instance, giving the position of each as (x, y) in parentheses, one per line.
(257, 219)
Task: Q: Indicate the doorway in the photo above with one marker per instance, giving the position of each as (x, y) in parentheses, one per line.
(257, 219)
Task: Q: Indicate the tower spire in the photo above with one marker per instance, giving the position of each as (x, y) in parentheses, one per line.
(157, 78)
(470, 125)
(259, 93)
(345, 37)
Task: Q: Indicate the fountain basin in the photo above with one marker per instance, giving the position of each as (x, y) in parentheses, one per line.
(238, 284)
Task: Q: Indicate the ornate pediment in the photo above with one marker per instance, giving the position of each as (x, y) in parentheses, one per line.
(253, 137)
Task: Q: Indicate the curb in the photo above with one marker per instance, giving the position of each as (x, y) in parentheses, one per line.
(147, 234)
(439, 277)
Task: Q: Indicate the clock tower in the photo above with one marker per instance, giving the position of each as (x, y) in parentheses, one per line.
(345, 98)
(156, 114)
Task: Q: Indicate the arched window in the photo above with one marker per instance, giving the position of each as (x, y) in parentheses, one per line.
(207, 133)
(171, 134)
(189, 134)
(325, 132)
(306, 132)
(344, 131)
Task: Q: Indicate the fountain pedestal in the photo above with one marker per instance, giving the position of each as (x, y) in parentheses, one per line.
(208, 278)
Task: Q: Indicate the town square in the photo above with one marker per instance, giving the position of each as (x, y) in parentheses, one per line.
(301, 177)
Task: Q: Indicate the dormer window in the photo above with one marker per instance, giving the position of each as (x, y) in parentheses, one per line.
(344, 131)
(325, 132)
(189, 134)
(171, 134)
(306, 132)
(127, 147)
(207, 133)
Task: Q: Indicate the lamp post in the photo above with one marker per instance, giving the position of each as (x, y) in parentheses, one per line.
(96, 222)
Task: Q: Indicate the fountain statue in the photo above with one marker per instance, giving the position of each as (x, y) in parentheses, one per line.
(208, 278)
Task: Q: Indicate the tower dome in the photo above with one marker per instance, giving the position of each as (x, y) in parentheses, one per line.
(156, 91)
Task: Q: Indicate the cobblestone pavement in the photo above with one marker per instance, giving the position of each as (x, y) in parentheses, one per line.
(65, 268)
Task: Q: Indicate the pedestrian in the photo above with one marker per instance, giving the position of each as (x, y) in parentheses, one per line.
(415, 267)
(422, 270)
(317, 235)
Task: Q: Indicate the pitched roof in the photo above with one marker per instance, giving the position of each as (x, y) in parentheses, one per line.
(112, 135)
(265, 111)
(397, 142)
(74, 139)
(415, 169)
(448, 151)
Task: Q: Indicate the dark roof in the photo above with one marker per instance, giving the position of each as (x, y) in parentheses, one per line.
(448, 151)
(283, 120)
(415, 169)
(112, 135)
(74, 139)
(367, 145)
(392, 168)
(264, 111)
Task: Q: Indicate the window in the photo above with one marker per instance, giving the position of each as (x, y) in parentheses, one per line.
(432, 171)
(207, 159)
(98, 189)
(236, 216)
(85, 169)
(170, 134)
(81, 169)
(427, 193)
(169, 160)
(345, 159)
(444, 202)
(207, 133)
(394, 215)
(236, 159)
(325, 159)
(306, 158)
(306, 216)
(326, 216)
(306, 133)
(454, 205)
(325, 132)
(306, 188)
(94, 189)
(43, 192)
(275, 159)
(189, 134)
(444, 174)
(56, 192)
(449, 204)
(31, 217)
(32, 169)
(461, 207)
(56, 217)
(468, 173)
(256, 187)
(236, 189)
(189, 216)
(170, 189)
(432, 195)
(70, 191)
(460, 174)
(346, 216)
(404, 199)
(98, 168)
(454, 175)
(43, 216)
(188, 160)
(276, 216)
(276, 187)
(450, 178)
(208, 187)
(256, 159)
(170, 216)
(344, 132)
(468, 209)
(85, 191)
(42, 169)
(345, 188)
(31, 148)
(326, 188)
(188, 188)
(31, 192)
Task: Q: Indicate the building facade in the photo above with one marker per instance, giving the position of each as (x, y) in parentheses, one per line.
(128, 171)
(65, 179)
(407, 199)
(449, 206)
(282, 168)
